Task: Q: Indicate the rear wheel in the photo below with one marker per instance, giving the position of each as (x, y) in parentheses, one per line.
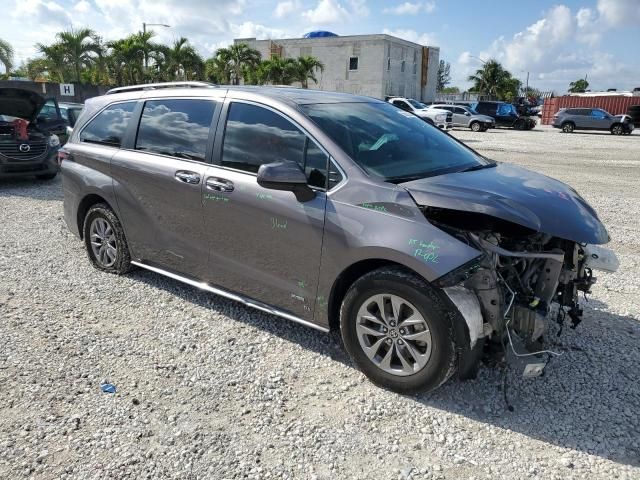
(105, 241)
(395, 328)
(475, 126)
(568, 127)
(617, 129)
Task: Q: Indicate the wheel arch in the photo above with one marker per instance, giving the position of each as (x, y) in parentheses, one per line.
(85, 204)
(348, 276)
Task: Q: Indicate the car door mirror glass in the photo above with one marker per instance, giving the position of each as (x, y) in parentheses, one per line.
(285, 175)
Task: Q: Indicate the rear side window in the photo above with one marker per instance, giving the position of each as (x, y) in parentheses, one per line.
(109, 126)
(176, 127)
(255, 136)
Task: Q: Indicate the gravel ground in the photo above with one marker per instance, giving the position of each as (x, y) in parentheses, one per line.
(209, 389)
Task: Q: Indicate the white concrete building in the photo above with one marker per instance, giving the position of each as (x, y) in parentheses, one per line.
(373, 65)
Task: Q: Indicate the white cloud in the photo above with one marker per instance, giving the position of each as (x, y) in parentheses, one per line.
(620, 12)
(552, 49)
(412, 36)
(408, 8)
(254, 30)
(327, 11)
(82, 6)
(286, 8)
(359, 7)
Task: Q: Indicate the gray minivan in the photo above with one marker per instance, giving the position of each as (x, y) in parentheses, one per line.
(334, 211)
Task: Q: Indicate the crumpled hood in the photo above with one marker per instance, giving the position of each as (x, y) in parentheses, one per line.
(16, 102)
(517, 195)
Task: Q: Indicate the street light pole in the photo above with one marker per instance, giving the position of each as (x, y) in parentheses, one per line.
(144, 30)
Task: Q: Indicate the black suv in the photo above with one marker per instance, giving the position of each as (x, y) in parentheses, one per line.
(505, 115)
(29, 140)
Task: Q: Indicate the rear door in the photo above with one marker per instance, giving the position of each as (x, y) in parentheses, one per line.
(264, 244)
(158, 178)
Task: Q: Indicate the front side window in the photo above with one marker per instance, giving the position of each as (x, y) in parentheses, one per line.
(176, 127)
(416, 104)
(255, 135)
(598, 114)
(389, 143)
(109, 126)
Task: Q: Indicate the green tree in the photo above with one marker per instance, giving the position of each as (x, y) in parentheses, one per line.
(124, 61)
(238, 58)
(54, 62)
(6, 55)
(492, 79)
(579, 85)
(307, 67)
(280, 71)
(444, 75)
(80, 48)
(183, 61)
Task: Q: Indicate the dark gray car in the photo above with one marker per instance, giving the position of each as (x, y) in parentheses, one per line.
(334, 211)
(570, 119)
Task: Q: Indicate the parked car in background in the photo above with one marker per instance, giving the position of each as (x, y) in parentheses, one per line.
(570, 119)
(440, 118)
(505, 115)
(466, 117)
(68, 111)
(29, 142)
(335, 211)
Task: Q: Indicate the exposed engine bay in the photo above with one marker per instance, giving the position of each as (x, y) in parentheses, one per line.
(21, 130)
(520, 275)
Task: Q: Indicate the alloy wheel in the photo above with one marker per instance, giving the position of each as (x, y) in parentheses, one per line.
(393, 334)
(103, 242)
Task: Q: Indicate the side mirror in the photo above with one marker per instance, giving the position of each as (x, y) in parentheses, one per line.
(69, 130)
(288, 176)
(467, 114)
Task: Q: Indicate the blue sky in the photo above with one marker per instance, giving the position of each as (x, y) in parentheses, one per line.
(556, 41)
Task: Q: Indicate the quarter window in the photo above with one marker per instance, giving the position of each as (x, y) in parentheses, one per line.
(255, 136)
(178, 128)
(109, 126)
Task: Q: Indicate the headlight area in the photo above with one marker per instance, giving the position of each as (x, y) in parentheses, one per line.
(522, 280)
(54, 140)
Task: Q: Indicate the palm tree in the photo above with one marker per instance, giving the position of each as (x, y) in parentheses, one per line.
(6, 55)
(280, 71)
(579, 85)
(237, 57)
(490, 78)
(307, 67)
(216, 70)
(124, 61)
(80, 48)
(55, 61)
(183, 62)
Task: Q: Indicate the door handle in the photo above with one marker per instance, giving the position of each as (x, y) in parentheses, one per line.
(185, 176)
(219, 184)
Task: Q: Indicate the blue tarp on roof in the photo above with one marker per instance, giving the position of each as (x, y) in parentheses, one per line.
(319, 33)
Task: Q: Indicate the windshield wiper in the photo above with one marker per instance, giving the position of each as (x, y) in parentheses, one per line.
(478, 167)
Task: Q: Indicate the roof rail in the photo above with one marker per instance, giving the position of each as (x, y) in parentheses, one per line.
(154, 86)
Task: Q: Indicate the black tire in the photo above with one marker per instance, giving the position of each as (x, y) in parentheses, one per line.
(568, 127)
(122, 262)
(519, 125)
(47, 176)
(475, 126)
(433, 308)
(617, 129)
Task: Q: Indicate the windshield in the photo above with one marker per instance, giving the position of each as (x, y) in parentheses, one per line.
(389, 143)
(415, 104)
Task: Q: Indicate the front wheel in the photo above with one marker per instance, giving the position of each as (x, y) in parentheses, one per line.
(105, 241)
(475, 126)
(617, 129)
(396, 329)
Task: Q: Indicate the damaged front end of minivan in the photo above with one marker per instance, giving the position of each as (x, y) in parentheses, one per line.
(538, 243)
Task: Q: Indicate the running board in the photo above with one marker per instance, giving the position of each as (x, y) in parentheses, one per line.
(232, 296)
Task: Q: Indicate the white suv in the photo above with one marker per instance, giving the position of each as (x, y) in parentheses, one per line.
(439, 118)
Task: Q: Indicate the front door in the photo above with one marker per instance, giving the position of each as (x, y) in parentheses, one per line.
(460, 119)
(264, 244)
(158, 184)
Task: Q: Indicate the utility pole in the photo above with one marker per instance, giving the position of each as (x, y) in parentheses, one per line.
(144, 30)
